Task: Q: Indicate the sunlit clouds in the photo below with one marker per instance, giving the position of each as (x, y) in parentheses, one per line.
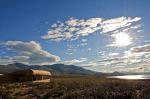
(136, 59)
(28, 53)
(73, 29)
(114, 49)
(119, 53)
(99, 35)
(121, 40)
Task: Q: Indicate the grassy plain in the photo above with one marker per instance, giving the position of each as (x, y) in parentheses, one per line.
(77, 87)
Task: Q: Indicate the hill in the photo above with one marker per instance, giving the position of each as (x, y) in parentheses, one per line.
(55, 68)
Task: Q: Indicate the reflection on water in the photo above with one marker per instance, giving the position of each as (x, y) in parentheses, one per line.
(131, 77)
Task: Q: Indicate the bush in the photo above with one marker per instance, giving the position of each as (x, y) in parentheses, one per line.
(84, 87)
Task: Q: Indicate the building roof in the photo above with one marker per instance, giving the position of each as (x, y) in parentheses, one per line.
(32, 72)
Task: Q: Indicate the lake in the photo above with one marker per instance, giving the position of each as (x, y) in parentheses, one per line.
(131, 77)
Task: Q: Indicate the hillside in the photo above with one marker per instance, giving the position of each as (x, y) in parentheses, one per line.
(55, 68)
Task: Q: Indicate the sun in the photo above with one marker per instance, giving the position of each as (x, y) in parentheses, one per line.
(122, 39)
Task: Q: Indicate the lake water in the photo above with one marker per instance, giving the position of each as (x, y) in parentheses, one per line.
(131, 77)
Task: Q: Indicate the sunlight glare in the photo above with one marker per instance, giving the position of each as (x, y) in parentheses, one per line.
(122, 39)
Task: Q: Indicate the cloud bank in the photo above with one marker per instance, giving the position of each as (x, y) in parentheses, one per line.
(28, 53)
(136, 59)
(73, 28)
(74, 61)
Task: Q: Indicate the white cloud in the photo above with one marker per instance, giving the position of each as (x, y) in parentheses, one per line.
(113, 54)
(100, 52)
(84, 40)
(30, 53)
(146, 41)
(138, 54)
(136, 59)
(138, 49)
(120, 23)
(74, 61)
(138, 69)
(72, 29)
(121, 40)
(111, 61)
(83, 44)
(135, 55)
(89, 49)
(89, 64)
(69, 53)
(6, 60)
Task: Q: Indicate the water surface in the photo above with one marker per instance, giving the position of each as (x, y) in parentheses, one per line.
(131, 77)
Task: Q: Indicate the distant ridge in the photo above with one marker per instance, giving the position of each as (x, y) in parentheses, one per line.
(55, 69)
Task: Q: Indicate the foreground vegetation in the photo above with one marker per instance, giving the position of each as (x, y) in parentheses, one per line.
(78, 87)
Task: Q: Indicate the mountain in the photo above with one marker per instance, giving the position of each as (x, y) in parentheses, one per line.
(12, 67)
(116, 73)
(137, 73)
(55, 68)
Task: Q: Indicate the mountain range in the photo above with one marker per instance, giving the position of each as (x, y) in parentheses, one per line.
(60, 69)
(56, 69)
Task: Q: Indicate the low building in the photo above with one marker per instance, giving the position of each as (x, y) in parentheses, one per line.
(26, 75)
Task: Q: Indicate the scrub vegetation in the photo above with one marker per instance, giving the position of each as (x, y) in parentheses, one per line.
(77, 87)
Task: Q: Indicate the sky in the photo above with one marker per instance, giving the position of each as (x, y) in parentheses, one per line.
(100, 35)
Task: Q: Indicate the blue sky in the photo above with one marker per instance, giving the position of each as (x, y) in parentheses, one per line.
(101, 35)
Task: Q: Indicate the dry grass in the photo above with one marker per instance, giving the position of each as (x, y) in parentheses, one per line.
(78, 87)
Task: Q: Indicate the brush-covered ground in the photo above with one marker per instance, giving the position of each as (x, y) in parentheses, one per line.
(77, 87)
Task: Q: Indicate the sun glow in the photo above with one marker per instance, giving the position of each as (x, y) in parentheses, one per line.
(122, 39)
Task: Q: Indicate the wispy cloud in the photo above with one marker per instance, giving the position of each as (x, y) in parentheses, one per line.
(84, 40)
(69, 53)
(135, 55)
(139, 49)
(74, 61)
(113, 54)
(120, 23)
(89, 49)
(74, 28)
